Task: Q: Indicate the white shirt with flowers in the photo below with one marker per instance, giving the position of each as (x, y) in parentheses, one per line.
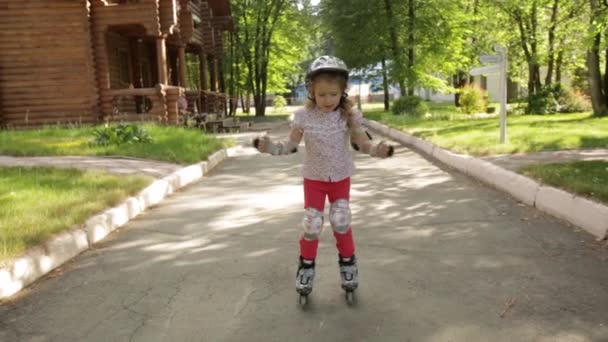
(329, 156)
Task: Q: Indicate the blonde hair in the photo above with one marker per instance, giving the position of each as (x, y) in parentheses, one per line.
(346, 105)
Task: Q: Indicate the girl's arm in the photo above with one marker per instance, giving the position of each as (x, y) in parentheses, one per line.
(265, 145)
(362, 140)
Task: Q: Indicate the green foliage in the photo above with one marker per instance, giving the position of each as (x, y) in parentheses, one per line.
(121, 134)
(413, 106)
(472, 99)
(545, 101)
(279, 102)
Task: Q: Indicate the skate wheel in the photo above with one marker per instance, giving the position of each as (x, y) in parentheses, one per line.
(303, 300)
(350, 297)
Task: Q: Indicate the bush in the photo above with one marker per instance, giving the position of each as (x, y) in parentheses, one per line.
(574, 101)
(410, 105)
(545, 101)
(279, 102)
(120, 134)
(473, 99)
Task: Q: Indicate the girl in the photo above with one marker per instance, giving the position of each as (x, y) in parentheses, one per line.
(326, 122)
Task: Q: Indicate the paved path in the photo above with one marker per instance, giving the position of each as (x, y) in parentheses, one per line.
(442, 258)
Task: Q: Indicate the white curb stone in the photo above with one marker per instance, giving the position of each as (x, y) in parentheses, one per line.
(554, 201)
(38, 261)
(589, 215)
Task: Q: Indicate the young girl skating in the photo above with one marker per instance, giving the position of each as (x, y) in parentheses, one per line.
(328, 123)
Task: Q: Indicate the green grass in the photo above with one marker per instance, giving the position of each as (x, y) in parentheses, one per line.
(585, 178)
(36, 203)
(526, 133)
(170, 143)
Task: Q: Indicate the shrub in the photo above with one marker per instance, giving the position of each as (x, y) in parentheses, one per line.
(574, 101)
(473, 99)
(545, 100)
(120, 134)
(410, 105)
(279, 102)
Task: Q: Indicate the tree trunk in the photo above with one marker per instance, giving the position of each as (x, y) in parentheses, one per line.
(388, 7)
(551, 41)
(598, 97)
(558, 66)
(385, 85)
(410, 49)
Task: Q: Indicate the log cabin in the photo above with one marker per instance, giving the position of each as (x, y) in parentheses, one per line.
(94, 61)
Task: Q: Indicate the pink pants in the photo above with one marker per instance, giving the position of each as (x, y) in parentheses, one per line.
(314, 197)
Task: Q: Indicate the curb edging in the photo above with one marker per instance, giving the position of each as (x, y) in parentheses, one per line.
(38, 261)
(584, 213)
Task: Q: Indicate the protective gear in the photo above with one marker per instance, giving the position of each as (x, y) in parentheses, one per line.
(349, 273)
(279, 148)
(326, 64)
(359, 131)
(374, 150)
(305, 277)
(340, 216)
(312, 224)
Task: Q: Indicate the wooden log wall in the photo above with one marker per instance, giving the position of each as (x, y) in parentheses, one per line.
(197, 35)
(46, 64)
(207, 27)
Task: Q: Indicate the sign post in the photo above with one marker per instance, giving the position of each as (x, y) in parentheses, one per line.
(499, 66)
(502, 52)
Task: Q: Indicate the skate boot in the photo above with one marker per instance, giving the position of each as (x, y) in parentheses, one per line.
(305, 277)
(349, 273)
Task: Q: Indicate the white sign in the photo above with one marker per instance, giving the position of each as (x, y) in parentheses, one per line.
(490, 58)
(500, 67)
(490, 69)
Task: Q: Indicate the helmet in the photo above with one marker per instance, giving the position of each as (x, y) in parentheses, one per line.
(326, 64)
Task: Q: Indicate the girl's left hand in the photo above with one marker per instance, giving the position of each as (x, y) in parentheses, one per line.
(385, 150)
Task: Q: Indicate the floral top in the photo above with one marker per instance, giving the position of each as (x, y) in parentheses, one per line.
(328, 154)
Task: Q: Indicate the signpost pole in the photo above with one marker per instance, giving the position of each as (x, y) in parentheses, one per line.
(503, 91)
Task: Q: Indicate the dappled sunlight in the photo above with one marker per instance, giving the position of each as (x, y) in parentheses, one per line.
(262, 252)
(176, 246)
(522, 331)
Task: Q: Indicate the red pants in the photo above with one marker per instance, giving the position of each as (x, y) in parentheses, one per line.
(314, 197)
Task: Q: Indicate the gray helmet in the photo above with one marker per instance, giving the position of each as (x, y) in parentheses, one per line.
(327, 64)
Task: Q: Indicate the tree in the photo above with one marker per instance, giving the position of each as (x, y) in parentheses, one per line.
(598, 84)
(255, 24)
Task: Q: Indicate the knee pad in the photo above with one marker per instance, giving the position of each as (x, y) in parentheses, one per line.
(339, 216)
(312, 224)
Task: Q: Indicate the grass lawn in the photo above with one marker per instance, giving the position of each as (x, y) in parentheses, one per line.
(36, 203)
(585, 178)
(526, 133)
(170, 143)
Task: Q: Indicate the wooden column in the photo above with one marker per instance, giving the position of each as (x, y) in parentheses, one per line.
(161, 60)
(182, 66)
(204, 66)
(214, 74)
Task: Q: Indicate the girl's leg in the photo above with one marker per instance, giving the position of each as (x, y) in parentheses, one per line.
(314, 200)
(344, 238)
